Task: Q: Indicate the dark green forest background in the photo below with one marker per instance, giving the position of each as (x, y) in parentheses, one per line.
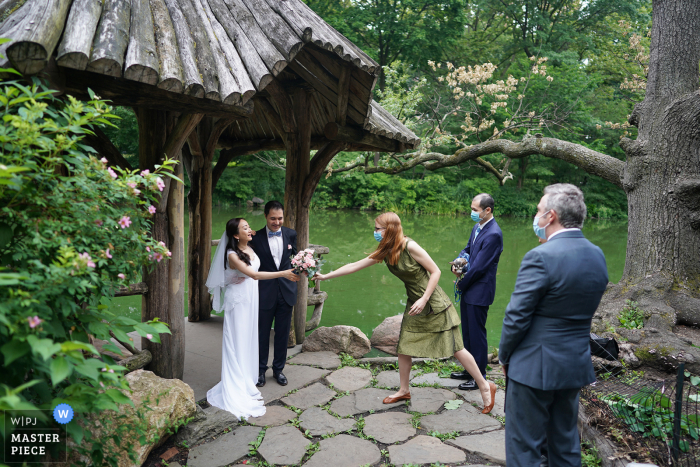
(587, 45)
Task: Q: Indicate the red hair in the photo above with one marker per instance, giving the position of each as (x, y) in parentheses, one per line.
(392, 243)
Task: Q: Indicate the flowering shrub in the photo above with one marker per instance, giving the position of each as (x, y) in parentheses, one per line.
(307, 262)
(72, 230)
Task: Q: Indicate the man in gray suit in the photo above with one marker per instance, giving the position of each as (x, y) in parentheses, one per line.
(545, 339)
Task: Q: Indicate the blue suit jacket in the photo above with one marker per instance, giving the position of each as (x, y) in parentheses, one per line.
(545, 336)
(478, 285)
(268, 289)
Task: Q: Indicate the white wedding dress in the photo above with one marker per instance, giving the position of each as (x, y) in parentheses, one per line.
(236, 392)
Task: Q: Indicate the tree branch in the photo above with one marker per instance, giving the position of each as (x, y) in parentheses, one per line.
(101, 143)
(593, 162)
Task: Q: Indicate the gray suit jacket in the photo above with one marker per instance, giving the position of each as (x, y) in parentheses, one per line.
(545, 336)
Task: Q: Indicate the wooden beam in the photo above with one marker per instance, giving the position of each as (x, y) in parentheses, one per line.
(318, 165)
(346, 134)
(101, 143)
(284, 104)
(262, 105)
(343, 95)
(173, 145)
(129, 93)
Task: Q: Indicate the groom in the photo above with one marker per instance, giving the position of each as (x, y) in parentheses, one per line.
(274, 245)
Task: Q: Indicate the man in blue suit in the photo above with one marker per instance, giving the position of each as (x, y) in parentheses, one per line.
(478, 285)
(544, 347)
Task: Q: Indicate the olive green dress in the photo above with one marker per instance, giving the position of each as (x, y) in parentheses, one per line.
(434, 333)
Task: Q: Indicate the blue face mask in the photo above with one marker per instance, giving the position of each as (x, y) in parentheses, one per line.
(475, 216)
(540, 231)
(378, 236)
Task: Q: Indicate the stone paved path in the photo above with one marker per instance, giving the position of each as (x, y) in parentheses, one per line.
(331, 416)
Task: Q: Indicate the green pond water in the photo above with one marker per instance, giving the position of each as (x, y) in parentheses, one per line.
(366, 298)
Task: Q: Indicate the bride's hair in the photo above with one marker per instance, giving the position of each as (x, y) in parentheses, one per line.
(392, 243)
(231, 230)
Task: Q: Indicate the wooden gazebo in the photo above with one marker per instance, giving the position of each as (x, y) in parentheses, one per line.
(240, 75)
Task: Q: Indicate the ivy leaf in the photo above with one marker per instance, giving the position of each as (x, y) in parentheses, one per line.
(453, 405)
(695, 380)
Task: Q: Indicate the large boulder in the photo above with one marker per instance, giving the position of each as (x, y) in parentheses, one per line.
(160, 405)
(385, 337)
(348, 339)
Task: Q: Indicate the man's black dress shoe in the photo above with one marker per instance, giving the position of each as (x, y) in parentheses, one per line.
(281, 379)
(461, 375)
(468, 386)
(261, 380)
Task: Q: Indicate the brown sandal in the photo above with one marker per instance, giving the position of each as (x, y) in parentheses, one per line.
(391, 400)
(489, 407)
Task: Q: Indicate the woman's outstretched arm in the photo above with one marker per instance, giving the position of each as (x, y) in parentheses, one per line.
(235, 262)
(424, 259)
(347, 269)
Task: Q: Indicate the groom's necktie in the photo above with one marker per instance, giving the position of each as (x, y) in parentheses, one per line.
(274, 234)
(478, 230)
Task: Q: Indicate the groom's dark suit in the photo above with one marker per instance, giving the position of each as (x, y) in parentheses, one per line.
(277, 298)
(545, 343)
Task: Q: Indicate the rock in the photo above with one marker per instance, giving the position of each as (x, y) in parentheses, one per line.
(206, 423)
(433, 378)
(225, 449)
(298, 377)
(327, 360)
(345, 451)
(274, 416)
(389, 427)
(475, 396)
(250, 203)
(425, 400)
(466, 419)
(348, 339)
(390, 379)
(491, 446)
(170, 402)
(363, 401)
(425, 450)
(257, 200)
(349, 378)
(319, 422)
(316, 394)
(385, 337)
(283, 445)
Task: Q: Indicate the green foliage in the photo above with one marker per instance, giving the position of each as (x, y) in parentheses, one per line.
(444, 436)
(631, 317)
(453, 405)
(589, 456)
(71, 231)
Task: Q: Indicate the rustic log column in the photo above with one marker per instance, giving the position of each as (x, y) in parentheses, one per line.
(199, 158)
(175, 342)
(298, 147)
(160, 134)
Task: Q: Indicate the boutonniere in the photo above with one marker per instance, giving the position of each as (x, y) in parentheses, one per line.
(289, 247)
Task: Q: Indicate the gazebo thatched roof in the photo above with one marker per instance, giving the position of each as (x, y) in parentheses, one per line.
(209, 56)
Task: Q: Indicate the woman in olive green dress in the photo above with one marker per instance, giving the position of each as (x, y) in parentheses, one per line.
(430, 326)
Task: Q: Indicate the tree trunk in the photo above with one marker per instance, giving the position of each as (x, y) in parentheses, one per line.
(175, 342)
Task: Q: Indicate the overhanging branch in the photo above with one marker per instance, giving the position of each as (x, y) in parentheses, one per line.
(593, 162)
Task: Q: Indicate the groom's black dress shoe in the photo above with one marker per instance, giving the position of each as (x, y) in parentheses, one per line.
(461, 375)
(281, 379)
(468, 386)
(261, 380)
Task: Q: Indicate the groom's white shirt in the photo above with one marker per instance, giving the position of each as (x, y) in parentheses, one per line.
(275, 246)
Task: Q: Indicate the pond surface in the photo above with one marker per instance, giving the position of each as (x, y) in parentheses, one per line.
(366, 298)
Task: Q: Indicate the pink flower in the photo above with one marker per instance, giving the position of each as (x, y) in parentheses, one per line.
(103, 160)
(169, 253)
(111, 370)
(289, 247)
(152, 209)
(145, 172)
(98, 222)
(158, 256)
(107, 254)
(86, 257)
(161, 244)
(34, 321)
(136, 191)
(111, 172)
(312, 263)
(148, 248)
(149, 337)
(131, 185)
(160, 183)
(121, 276)
(125, 222)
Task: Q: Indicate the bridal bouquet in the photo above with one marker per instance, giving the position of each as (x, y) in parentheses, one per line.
(308, 262)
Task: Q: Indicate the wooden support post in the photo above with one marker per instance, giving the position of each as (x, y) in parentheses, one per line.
(159, 134)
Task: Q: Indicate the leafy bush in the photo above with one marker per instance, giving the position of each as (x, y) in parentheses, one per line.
(631, 317)
(72, 230)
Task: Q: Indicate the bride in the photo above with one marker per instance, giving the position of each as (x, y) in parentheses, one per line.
(234, 270)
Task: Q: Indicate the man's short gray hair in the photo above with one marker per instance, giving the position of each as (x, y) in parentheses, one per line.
(567, 201)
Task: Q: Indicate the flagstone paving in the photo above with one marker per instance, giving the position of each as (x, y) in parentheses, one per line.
(339, 420)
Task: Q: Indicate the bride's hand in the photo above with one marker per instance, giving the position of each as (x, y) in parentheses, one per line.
(289, 275)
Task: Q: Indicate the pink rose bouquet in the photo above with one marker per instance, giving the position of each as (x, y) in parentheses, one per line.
(307, 262)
